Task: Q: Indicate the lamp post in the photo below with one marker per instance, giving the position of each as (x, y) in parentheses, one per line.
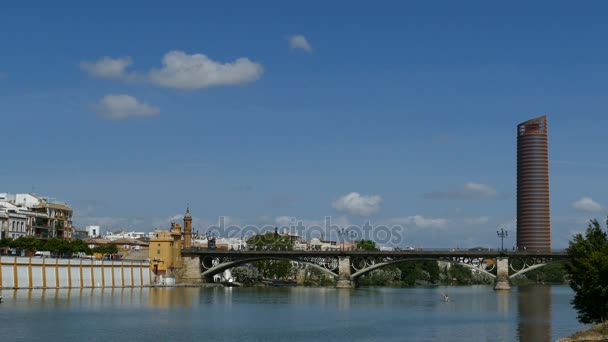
(502, 234)
(346, 233)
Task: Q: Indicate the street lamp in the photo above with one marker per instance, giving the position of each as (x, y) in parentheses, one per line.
(344, 233)
(502, 234)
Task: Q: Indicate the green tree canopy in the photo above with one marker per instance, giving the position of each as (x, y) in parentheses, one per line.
(109, 248)
(245, 274)
(5, 242)
(26, 242)
(270, 241)
(56, 245)
(588, 271)
(276, 269)
(367, 245)
(80, 246)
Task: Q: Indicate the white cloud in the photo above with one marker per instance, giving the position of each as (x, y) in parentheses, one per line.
(477, 220)
(108, 223)
(284, 220)
(289, 221)
(587, 204)
(184, 71)
(109, 68)
(470, 190)
(356, 204)
(477, 189)
(124, 106)
(420, 221)
(300, 42)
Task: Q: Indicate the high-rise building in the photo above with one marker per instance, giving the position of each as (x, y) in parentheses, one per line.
(533, 212)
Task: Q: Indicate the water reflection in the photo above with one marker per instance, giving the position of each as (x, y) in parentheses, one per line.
(70, 297)
(534, 313)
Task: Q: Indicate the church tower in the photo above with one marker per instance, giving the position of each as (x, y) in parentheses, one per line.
(187, 229)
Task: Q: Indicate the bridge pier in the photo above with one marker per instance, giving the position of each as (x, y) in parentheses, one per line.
(502, 274)
(344, 280)
(191, 271)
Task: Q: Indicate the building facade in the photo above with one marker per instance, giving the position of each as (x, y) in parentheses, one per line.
(93, 231)
(15, 222)
(54, 220)
(533, 211)
(166, 251)
(44, 219)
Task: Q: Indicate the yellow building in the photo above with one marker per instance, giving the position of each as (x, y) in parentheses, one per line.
(166, 251)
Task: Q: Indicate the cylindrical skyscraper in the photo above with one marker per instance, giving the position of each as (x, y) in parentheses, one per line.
(533, 213)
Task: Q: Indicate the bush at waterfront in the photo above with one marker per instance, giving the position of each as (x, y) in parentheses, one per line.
(422, 273)
(552, 274)
(588, 271)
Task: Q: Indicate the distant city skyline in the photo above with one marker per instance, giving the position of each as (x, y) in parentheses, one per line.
(396, 114)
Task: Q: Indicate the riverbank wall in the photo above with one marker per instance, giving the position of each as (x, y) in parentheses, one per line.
(51, 273)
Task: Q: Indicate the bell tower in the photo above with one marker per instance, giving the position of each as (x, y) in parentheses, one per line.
(187, 229)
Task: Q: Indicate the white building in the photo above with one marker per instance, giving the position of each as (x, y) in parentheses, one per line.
(14, 221)
(320, 245)
(45, 219)
(125, 235)
(93, 231)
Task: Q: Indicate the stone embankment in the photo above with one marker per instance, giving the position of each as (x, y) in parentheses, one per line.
(596, 333)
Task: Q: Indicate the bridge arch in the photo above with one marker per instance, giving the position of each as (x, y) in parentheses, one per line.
(533, 267)
(376, 266)
(209, 273)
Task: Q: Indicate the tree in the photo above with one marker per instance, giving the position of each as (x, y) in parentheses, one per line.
(276, 269)
(315, 277)
(80, 246)
(588, 271)
(109, 248)
(270, 241)
(28, 243)
(381, 277)
(460, 274)
(246, 275)
(58, 246)
(273, 269)
(5, 242)
(366, 245)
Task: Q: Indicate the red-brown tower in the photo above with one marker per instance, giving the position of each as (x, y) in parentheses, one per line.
(533, 212)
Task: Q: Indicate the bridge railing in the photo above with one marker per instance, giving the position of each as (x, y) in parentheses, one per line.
(408, 249)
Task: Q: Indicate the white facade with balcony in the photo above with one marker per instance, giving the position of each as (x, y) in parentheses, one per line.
(14, 221)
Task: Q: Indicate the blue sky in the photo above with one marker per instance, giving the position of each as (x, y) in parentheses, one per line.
(269, 109)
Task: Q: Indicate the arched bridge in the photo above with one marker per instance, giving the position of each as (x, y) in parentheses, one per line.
(347, 266)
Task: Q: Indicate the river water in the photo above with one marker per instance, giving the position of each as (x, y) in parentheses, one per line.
(475, 313)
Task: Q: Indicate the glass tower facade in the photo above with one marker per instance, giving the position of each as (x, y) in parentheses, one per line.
(533, 212)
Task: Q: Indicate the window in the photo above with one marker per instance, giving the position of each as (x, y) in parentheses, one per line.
(158, 251)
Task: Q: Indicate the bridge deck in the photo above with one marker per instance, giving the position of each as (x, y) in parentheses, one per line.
(363, 253)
